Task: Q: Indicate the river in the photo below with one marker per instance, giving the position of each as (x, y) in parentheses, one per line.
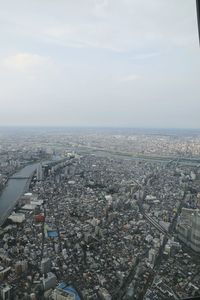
(13, 190)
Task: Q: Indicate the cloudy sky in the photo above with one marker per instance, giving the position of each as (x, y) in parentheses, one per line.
(130, 63)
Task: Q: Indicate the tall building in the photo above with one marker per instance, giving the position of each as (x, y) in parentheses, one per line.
(189, 228)
(6, 292)
(195, 233)
(50, 281)
(152, 256)
(45, 265)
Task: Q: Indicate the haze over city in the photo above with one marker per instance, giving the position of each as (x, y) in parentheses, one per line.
(99, 63)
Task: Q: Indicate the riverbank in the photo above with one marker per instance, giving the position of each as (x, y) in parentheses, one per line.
(14, 189)
(16, 186)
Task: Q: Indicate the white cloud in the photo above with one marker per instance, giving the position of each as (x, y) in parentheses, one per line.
(131, 77)
(152, 58)
(100, 35)
(146, 55)
(116, 25)
(100, 7)
(25, 61)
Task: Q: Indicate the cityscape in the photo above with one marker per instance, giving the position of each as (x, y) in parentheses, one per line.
(99, 214)
(100, 150)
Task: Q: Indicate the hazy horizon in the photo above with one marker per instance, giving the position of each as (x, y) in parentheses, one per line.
(100, 63)
(95, 126)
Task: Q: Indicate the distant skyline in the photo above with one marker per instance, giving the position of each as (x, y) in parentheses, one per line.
(99, 63)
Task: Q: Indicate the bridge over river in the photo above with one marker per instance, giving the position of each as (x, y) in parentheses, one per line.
(18, 184)
(21, 177)
(15, 187)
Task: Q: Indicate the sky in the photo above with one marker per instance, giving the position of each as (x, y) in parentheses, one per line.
(109, 63)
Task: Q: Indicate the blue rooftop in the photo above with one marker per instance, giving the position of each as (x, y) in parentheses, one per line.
(52, 233)
(69, 289)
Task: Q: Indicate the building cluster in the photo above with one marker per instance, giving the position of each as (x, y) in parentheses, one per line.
(15, 155)
(138, 143)
(177, 277)
(82, 224)
(103, 227)
(189, 228)
(3, 180)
